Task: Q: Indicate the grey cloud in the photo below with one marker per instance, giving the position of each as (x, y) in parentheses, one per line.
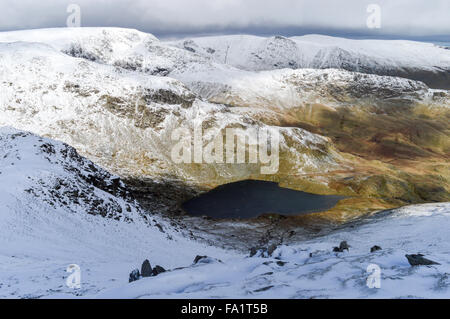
(172, 17)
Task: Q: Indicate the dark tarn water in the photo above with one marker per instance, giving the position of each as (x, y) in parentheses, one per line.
(251, 198)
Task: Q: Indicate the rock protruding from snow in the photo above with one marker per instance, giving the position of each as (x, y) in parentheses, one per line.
(157, 270)
(310, 270)
(134, 275)
(375, 248)
(420, 260)
(146, 269)
(342, 246)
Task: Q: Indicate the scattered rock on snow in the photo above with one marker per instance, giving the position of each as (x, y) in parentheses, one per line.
(375, 248)
(263, 289)
(157, 270)
(263, 251)
(198, 258)
(271, 249)
(342, 246)
(146, 269)
(205, 260)
(134, 275)
(419, 260)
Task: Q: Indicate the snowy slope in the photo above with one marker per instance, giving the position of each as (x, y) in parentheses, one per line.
(45, 228)
(122, 119)
(123, 48)
(311, 270)
(57, 208)
(210, 78)
(416, 60)
(285, 89)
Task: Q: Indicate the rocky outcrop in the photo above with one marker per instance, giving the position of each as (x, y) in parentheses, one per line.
(205, 260)
(146, 269)
(420, 260)
(79, 185)
(134, 275)
(342, 246)
(157, 270)
(264, 252)
(375, 248)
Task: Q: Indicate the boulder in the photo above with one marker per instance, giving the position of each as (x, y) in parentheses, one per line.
(134, 275)
(375, 248)
(419, 260)
(271, 249)
(342, 246)
(157, 270)
(205, 260)
(263, 251)
(198, 258)
(146, 269)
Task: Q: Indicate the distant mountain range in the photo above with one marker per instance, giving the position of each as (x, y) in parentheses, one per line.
(415, 60)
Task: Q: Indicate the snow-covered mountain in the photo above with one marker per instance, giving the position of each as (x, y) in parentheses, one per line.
(415, 60)
(115, 96)
(122, 119)
(139, 52)
(123, 48)
(58, 208)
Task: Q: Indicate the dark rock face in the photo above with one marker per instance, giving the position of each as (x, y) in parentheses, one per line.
(263, 251)
(198, 258)
(77, 51)
(205, 260)
(146, 269)
(134, 275)
(342, 246)
(375, 248)
(253, 251)
(419, 260)
(271, 249)
(157, 270)
(76, 191)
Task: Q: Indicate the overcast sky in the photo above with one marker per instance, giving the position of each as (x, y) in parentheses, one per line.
(172, 18)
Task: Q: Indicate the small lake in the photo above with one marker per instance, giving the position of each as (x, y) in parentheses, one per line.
(251, 198)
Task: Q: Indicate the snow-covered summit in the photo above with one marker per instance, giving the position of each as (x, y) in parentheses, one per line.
(416, 60)
(206, 70)
(123, 48)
